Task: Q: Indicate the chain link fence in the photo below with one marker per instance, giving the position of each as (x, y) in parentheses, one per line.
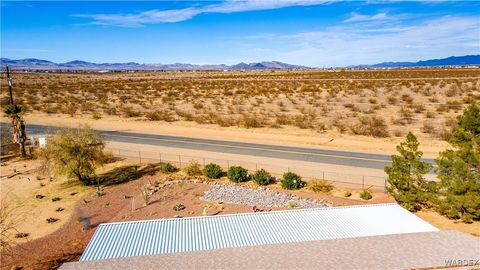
(338, 179)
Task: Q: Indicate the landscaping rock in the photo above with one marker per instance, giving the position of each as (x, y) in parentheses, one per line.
(262, 196)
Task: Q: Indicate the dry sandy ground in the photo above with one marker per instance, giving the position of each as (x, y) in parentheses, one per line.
(20, 183)
(444, 223)
(291, 136)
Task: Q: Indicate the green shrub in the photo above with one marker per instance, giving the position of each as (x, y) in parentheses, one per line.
(292, 181)
(213, 171)
(262, 177)
(193, 168)
(320, 186)
(168, 168)
(366, 195)
(237, 174)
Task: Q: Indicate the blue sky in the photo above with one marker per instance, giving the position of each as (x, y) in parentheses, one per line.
(305, 32)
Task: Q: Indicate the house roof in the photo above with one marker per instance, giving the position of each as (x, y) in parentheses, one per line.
(424, 250)
(142, 238)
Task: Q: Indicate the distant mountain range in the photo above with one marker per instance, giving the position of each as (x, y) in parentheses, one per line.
(449, 61)
(37, 64)
(77, 65)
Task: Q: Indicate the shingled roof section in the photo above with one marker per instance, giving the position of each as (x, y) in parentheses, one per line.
(398, 251)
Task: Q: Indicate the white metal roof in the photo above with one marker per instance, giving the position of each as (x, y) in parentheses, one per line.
(141, 238)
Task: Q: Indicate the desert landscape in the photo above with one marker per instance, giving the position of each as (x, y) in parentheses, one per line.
(239, 134)
(356, 110)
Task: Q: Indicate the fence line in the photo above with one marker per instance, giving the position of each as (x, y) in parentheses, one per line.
(338, 179)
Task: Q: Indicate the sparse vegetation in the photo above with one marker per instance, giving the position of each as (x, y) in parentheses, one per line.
(227, 99)
(321, 186)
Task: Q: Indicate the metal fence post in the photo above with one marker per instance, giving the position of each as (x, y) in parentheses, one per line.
(160, 155)
(256, 167)
(363, 181)
(119, 152)
(323, 175)
(140, 157)
(180, 161)
(385, 186)
(228, 164)
(204, 162)
(288, 169)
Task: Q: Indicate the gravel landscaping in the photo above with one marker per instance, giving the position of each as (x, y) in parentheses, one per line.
(261, 196)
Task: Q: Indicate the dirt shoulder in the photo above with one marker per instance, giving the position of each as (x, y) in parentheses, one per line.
(291, 136)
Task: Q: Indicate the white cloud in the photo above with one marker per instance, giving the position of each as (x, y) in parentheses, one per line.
(178, 15)
(355, 17)
(358, 43)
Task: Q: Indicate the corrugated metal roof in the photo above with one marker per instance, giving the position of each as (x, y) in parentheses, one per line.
(140, 238)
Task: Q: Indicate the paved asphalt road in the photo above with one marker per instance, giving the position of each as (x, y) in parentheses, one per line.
(354, 159)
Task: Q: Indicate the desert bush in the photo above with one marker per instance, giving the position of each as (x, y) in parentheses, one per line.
(371, 126)
(262, 177)
(55, 199)
(168, 168)
(166, 116)
(428, 127)
(347, 194)
(129, 112)
(366, 195)
(213, 171)
(193, 168)
(75, 153)
(292, 180)
(321, 186)
(96, 115)
(237, 174)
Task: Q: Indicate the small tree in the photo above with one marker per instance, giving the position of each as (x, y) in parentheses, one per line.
(13, 111)
(75, 153)
(406, 182)
(459, 169)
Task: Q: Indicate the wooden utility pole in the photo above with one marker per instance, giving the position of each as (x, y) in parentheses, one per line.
(18, 125)
(9, 85)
